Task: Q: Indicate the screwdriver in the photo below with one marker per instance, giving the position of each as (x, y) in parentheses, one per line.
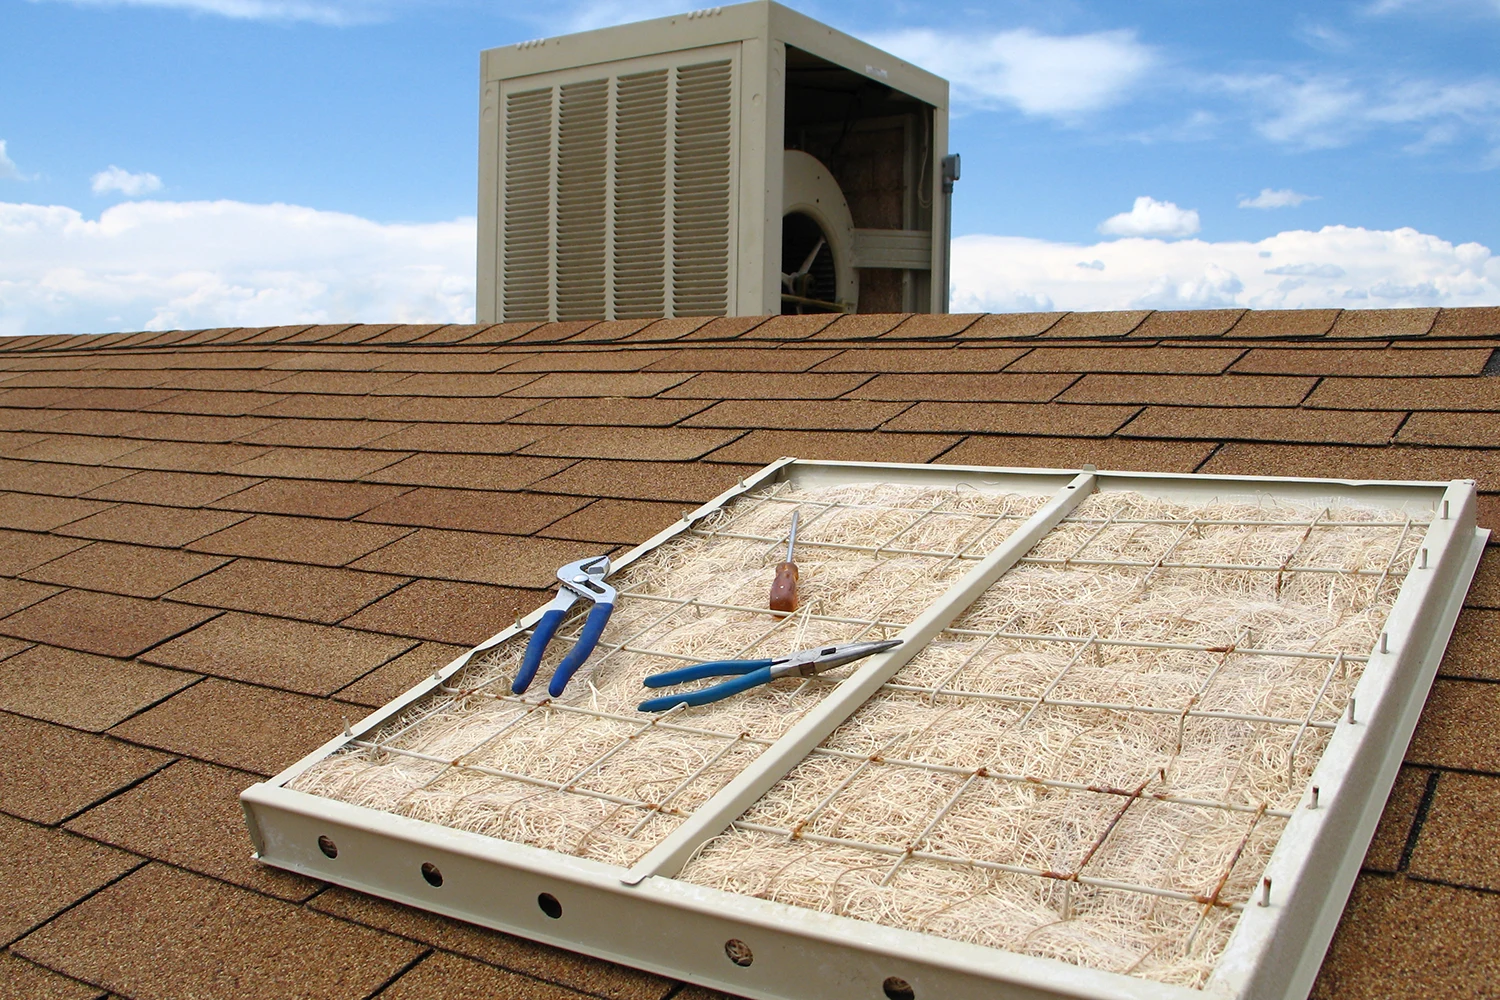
(784, 586)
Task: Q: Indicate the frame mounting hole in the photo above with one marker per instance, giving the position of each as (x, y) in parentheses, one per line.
(328, 847)
(898, 989)
(739, 952)
(549, 905)
(431, 874)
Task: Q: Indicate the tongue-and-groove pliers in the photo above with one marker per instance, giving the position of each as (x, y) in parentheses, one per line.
(581, 580)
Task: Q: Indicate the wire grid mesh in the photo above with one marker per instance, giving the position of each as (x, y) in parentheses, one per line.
(1095, 761)
(587, 774)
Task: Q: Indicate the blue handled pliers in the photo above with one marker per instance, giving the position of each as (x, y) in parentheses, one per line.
(583, 579)
(753, 672)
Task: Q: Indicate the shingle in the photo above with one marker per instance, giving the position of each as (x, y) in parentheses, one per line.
(1383, 322)
(18, 594)
(188, 814)
(12, 442)
(299, 539)
(448, 361)
(107, 624)
(612, 412)
(470, 333)
(22, 980)
(48, 773)
(1071, 453)
(581, 361)
(1460, 727)
(328, 361)
(1059, 419)
(1268, 424)
(464, 555)
(1350, 462)
(1389, 843)
(1484, 592)
(750, 385)
(473, 439)
(1450, 429)
(861, 326)
(46, 871)
(1329, 361)
(1473, 322)
(1144, 360)
(190, 457)
(762, 447)
(932, 326)
(790, 327)
(593, 384)
(319, 463)
(477, 472)
(149, 525)
(60, 397)
(626, 521)
(37, 513)
(230, 723)
(745, 359)
(1092, 325)
(401, 674)
(970, 388)
(100, 423)
(1168, 324)
(134, 570)
(603, 979)
(325, 407)
(1408, 394)
(1406, 940)
(1460, 837)
(309, 593)
(82, 690)
(551, 333)
(1006, 326)
(227, 404)
(323, 433)
(310, 498)
(465, 386)
(1258, 323)
(19, 420)
(919, 360)
(293, 656)
(635, 443)
(794, 414)
(474, 510)
(442, 976)
(1474, 649)
(357, 333)
(77, 448)
(338, 383)
(172, 489)
(719, 328)
(172, 935)
(693, 482)
(461, 613)
(221, 381)
(442, 409)
(22, 550)
(116, 399)
(664, 330)
(196, 427)
(1192, 390)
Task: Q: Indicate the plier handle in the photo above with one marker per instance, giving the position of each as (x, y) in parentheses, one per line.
(581, 580)
(750, 673)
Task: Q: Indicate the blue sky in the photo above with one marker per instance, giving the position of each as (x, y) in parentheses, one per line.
(336, 140)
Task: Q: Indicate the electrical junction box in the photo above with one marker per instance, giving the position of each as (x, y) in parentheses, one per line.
(734, 161)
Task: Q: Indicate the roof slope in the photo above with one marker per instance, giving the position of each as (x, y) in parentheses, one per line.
(178, 510)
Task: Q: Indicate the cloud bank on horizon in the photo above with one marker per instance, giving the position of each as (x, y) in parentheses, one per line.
(160, 265)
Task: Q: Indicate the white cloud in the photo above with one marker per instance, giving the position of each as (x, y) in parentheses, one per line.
(123, 181)
(1277, 198)
(1334, 266)
(1150, 217)
(8, 169)
(332, 12)
(181, 265)
(1060, 76)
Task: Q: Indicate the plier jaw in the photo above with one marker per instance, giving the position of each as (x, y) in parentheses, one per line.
(580, 580)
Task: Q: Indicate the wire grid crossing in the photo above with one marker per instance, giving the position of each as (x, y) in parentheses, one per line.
(587, 774)
(1095, 761)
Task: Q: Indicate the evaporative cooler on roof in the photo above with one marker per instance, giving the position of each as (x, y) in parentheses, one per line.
(737, 161)
(1134, 742)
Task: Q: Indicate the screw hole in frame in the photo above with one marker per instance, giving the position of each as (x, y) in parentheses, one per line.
(431, 874)
(549, 905)
(739, 952)
(897, 988)
(328, 847)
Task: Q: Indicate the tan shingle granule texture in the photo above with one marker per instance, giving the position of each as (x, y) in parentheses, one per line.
(218, 546)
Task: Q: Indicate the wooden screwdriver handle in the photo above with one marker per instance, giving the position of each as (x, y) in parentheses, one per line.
(784, 588)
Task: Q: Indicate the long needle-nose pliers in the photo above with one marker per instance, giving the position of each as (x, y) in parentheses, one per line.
(754, 672)
(583, 579)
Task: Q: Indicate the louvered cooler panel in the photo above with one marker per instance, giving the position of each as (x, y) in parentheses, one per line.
(617, 190)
